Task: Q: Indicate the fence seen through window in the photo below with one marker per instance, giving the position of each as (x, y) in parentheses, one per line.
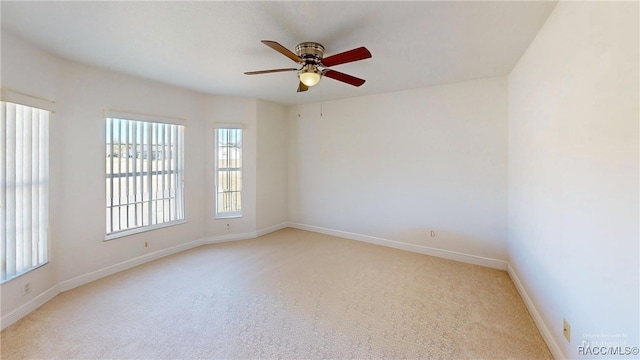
(228, 172)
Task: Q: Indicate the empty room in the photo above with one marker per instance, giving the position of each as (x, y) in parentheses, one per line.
(240, 180)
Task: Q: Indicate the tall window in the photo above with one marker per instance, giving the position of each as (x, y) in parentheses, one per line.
(144, 179)
(228, 172)
(24, 190)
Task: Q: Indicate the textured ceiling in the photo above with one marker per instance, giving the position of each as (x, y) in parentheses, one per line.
(207, 46)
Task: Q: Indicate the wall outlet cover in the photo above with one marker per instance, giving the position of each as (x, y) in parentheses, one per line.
(566, 330)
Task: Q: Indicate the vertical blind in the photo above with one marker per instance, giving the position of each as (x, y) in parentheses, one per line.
(24, 194)
(144, 182)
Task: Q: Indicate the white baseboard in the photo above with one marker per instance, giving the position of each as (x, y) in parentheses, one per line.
(452, 255)
(446, 254)
(555, 349)
(228, 238)
(244, 236)
(128, 264)
(271, 229)
(66, 285)
(49, 294)
(30, 306)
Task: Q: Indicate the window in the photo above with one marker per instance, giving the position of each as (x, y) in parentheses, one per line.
(24, 190)
(145, 173)
(228, 169)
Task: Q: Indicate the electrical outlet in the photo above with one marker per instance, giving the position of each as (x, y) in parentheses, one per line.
(566, 330)
(228, 227)
(146, 244)
(433, 233)
(26, 289)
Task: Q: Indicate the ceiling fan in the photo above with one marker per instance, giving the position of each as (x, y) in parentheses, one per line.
(314, 66)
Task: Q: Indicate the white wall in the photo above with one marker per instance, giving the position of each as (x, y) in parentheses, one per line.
(264, 158)
(573, 172)
(271, 165)
(399, 165)
(395, 166)
(39, 77)
(225, 109)
(86, 91)
(77, 185)
(77, 207)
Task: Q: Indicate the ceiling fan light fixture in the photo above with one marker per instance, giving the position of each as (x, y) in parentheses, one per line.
(309, 75)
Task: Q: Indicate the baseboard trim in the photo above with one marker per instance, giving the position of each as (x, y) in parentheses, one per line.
(128, 264)
(446, 254)
(244, 236)
(62, 286)
(555, 349)
(66, 285)
(271, 229)
(30, 306)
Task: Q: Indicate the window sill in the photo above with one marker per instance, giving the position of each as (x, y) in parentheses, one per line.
(228, 216)
(128, 232)
(24, 273)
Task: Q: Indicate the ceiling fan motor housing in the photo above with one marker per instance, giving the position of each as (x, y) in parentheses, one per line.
(310, 52)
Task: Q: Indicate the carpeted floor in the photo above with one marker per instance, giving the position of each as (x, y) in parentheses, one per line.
(288, 294)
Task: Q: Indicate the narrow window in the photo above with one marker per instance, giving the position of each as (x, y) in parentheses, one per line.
(228, 169)
(24, 190)
(144, 175)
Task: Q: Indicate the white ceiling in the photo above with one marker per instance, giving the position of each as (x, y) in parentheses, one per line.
(207, 46)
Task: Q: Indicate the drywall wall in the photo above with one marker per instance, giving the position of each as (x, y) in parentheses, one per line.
(573, 173)
(397, 166)
(78, 252)
(232, 110)
(39, 77)
(77, 207)
(271, 166)
(86, 92)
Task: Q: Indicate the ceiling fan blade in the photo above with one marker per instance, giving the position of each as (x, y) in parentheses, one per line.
(360, 53)
(269, 71)
(336, 75)
(302, 87)
(282, 50)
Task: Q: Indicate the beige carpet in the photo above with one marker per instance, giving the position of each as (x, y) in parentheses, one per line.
(289, 294)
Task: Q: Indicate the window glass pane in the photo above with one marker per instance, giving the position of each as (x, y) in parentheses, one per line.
(144, 174)
(228, 172)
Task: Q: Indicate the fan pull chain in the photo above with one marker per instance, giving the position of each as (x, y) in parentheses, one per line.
(298, 100)
(321, 98)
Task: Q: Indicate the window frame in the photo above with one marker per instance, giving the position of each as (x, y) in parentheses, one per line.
(235, 213)
(177, 171)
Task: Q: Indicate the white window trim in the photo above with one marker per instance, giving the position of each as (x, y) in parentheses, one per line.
(127, 115)
(138, 230)
(229, 215)
(219, 125)
(216, 126)
(123, 115)
(21, 98)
